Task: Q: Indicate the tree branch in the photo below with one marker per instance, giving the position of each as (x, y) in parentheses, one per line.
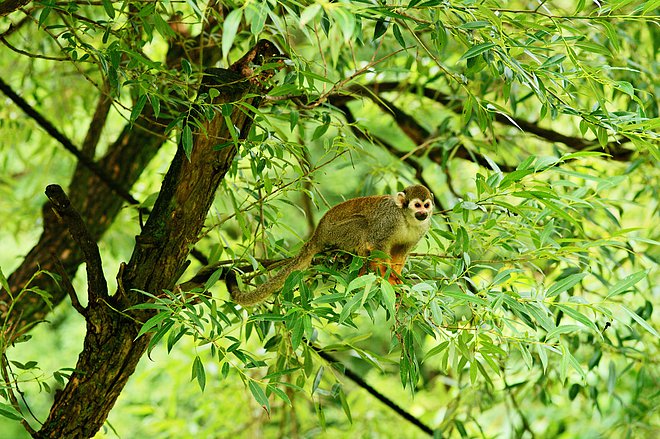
(372, 391)
(97, 285)
(64, 141)
(616, 151)
(68, 286)
(9, 6)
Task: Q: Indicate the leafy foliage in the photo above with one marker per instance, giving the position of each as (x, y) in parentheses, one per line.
(534, 124)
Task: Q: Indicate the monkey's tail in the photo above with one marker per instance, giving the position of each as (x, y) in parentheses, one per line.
(247, 298)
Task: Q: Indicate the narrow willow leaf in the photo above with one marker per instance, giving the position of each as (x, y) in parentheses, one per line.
(4, 283)
(155, 105)
(380, 28)
(344, 405)
(309, 13)
(564, 284)
(279, 393)
(152, 322)
(187, 141)
(576, 315)
(10, 412)
(563, 329)
(109, 9)
(641, 321)
(477, 50)
(137, 108)
(398, 36)
(624, 284)
(317, 379)
(259, 395)
(388, 297)
(229, 29)
(199, 373)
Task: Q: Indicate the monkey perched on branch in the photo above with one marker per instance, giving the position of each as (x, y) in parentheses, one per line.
(391, 224)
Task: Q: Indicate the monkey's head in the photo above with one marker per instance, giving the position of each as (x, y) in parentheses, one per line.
(418, 199)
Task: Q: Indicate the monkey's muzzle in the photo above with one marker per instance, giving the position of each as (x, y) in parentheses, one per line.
(421, 216)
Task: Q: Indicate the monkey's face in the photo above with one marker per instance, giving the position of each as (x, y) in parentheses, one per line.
(421, 209)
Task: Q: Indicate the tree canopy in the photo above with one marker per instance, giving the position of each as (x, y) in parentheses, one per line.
(161, 144)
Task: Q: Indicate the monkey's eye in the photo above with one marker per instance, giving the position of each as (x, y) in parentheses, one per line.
(427, 205)
(418, 205)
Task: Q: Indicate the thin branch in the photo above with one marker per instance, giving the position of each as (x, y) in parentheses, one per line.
(12, 397)
(372, 391)
(68, 145)
(29, 54)
(68, 286)
(97, 285)
(614, 148)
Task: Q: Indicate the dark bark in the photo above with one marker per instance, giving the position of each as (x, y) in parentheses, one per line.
(9, 6)
(111, 350)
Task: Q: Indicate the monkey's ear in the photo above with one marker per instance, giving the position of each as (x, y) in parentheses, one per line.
(400, 199)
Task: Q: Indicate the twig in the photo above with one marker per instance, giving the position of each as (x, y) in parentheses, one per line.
(68, 286)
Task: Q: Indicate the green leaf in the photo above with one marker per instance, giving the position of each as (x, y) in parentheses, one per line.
(199, 373)
(152, 322)
(229, 29)
(137, 108)
(10, 412)
(279, 393)
(477, 50)
(641, 321)
(625, 87)
(317, 379)
(514, 176)
(4, 283)
(297, 332)
(564, 329)
(576, 315)
(564, 284)
(381, 27)
(320, 131)
(187, 140)
(27, 366)
(155, 104)
(186, 66)
(624, 284)
(163, 27)
(109, 9)
(398, 36)
(344, 404)
(259, 395)
(388, 297)
(309, 13)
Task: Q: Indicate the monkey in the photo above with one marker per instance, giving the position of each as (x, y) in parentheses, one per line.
(391, 224)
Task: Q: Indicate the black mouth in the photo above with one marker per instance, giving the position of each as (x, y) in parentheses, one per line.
(421, 216)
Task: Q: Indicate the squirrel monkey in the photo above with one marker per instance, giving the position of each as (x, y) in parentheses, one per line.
(391, 224)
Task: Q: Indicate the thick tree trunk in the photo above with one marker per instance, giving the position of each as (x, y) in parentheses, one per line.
(111, 350)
